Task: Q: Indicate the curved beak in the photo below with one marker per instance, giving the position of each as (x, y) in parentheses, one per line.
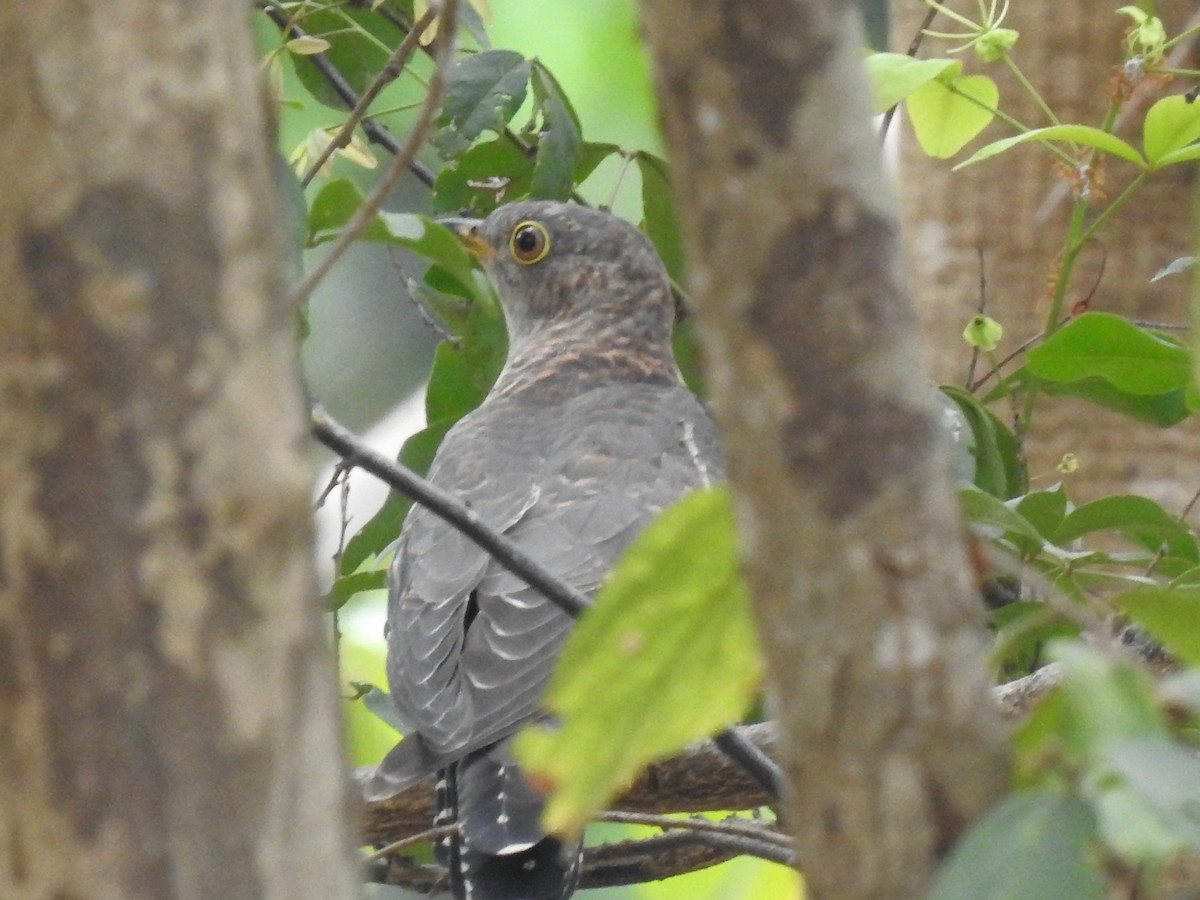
(467, 231)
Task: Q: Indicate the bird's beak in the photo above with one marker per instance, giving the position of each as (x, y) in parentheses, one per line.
(467, 231)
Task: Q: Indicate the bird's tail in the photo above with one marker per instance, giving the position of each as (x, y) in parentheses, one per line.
(499, 851)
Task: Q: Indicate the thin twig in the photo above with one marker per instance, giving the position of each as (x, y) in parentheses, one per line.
(390, 71)
(756, 829)
(426, 836)
(371, 204)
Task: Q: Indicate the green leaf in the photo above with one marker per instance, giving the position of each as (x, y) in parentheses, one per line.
(559, 139)
(480, 179)
(333, 207)
(358, 50)
(1045, 509)
(483, 92)
(1139, 518)
(998, 466)
(1185, 154)
(893, 76)
(590, 156)
(346, 586)
(1107, 346)
(1075, 134)
(660, 221)
(1033, 844)
(1107, 701)
(1162, 410)
(671, 625)
(1163, 778)
(944, 120)
(1170, 614)
(984, 509)
(1171, 124)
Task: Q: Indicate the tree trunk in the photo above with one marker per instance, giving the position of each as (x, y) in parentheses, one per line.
(852, 542)
(168, 718)
(1014, 208)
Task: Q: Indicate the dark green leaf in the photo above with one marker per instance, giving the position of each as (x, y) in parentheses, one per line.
(1033, 844)
(479, 180)
(661, 222)
(558, 140)
(1102, 345)
(358, 50)
(1045, 509)
(998, 466)
(483, 93)
(1162, 410)
(590, 156)
(333, 207)
(346, 586)
(1139, 518)
(1170, 614)
(671, 625)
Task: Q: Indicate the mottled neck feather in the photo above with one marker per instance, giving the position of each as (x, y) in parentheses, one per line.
(564, 359)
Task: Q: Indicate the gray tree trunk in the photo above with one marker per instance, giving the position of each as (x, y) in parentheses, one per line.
(168, 716)
(852, 540)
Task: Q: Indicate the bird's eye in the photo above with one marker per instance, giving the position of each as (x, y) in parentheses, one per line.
(529, 243)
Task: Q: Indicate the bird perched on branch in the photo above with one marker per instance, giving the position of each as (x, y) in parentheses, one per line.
(587, 434)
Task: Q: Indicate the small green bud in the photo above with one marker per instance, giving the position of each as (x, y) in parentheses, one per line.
(983, 332)
(994, 43)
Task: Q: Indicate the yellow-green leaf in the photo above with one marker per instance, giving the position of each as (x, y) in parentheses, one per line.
(946, 115)
(666, 656)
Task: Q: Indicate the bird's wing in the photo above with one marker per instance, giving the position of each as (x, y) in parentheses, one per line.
(471, 646)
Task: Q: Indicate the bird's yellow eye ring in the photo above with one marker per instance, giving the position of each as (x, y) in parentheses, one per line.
(529, 243)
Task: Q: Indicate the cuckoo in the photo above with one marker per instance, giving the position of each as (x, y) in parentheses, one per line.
(586, 435)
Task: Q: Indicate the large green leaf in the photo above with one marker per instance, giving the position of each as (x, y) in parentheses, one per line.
(1033, 844)
(666, 656)
(946, 114)
(559, 139)
(1171, 124)
(483, 93)
(1074, 134)
(1139, 518)
(1103, 345)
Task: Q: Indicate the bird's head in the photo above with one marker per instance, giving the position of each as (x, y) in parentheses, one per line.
(568, 268)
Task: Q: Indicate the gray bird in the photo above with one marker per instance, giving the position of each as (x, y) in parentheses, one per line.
(587, 434)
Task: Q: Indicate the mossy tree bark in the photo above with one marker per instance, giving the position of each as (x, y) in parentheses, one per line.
(168, 715)
(852, 541)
